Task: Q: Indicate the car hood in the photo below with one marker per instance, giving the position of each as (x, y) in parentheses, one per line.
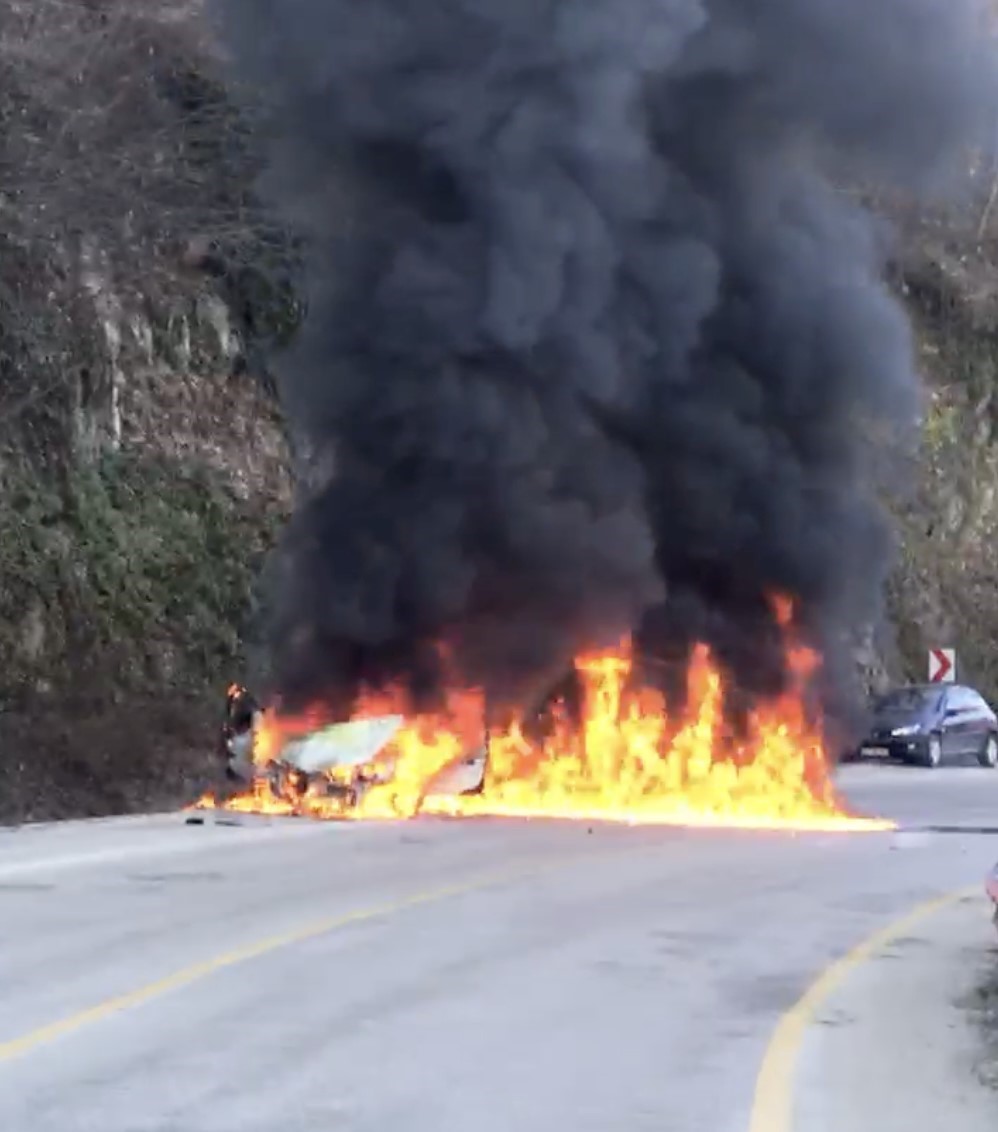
(889, 720)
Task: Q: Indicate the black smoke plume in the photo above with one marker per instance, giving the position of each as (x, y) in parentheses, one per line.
(596, 340)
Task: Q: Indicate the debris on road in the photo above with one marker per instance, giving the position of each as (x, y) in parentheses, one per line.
(199, 819)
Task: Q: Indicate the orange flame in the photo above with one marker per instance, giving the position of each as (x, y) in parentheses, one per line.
(628, 761)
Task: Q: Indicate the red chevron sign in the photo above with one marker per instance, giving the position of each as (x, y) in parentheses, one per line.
(942, 666)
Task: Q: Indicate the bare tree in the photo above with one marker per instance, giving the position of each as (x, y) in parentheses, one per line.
(125, 163)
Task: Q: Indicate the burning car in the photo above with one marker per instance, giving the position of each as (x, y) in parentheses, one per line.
(603, 745)
(332, 762)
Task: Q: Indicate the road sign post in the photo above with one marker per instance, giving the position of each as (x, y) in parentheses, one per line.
(942, 666)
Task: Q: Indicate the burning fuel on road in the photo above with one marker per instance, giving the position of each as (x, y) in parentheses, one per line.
(595, 351)
(624, 757)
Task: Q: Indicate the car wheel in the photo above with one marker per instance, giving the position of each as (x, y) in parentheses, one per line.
(989, 755)
(934, 752)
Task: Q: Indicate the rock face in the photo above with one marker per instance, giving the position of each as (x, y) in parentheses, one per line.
(128, 574)
(944, 590)
(142, 460)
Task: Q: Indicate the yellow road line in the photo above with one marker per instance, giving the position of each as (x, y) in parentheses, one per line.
(772, 1106)
(198, 971)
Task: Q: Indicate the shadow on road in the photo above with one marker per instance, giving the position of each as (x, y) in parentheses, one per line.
(987, 830)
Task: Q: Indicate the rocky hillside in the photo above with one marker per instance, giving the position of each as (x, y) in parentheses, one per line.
(142, 461)
(143, 466)
(944, 591)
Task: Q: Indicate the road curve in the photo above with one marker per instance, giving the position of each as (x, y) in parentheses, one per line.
(279, 976)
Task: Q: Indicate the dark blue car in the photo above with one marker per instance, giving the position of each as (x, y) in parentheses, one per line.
(931, 724)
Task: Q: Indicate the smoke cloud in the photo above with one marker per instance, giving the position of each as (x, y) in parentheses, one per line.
(595, 341)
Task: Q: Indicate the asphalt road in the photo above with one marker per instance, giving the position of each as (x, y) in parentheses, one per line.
(282, 976)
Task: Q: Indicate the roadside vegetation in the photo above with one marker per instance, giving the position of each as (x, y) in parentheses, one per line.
(142, 460)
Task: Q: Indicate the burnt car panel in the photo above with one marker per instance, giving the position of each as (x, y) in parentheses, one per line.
(340, 760)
